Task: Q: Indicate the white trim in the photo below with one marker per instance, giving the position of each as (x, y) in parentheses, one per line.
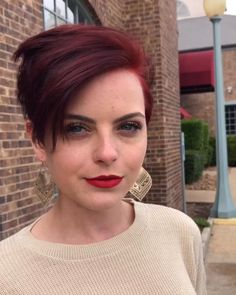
(231, 102)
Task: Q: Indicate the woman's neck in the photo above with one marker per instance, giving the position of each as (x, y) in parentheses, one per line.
(76, 225)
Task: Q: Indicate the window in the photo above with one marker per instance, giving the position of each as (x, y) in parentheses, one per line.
(230, 117)
(58, 12)
(182, 10)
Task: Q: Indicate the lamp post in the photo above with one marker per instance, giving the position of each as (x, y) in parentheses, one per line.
(223, 206)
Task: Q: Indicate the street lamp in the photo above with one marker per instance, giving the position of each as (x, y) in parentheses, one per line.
(223, 206)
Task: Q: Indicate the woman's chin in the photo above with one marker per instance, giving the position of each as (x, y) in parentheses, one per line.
(102, 202)
(92, 200)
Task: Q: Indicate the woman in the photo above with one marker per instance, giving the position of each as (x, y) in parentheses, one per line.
(85, 96)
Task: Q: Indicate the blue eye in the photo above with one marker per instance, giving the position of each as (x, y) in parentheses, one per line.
(76, 129)
(130, 127)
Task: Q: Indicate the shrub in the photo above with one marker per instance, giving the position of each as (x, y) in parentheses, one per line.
(205, 142)
(231, 146)
(194, 164)
(201, 222)
(209, 156)
(231, 142)
(212, 158)
(193, 134)
(197, 151)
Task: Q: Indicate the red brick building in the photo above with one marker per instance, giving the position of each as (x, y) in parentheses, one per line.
(154, 24)
(197, 69)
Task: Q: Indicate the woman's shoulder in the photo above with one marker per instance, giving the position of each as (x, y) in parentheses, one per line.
(170, 219)
(14, 256)
(11, 247)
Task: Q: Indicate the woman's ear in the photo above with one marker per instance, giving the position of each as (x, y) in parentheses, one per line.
(39, 149)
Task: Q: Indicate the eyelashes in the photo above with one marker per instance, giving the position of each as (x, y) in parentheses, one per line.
(75, 127)
(128, 128)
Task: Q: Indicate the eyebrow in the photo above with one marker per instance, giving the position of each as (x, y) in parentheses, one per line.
(91, 121)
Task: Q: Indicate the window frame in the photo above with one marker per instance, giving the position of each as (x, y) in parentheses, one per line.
(80, 9)
(230, 128)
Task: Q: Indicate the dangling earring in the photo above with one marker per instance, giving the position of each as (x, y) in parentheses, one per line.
(44, 185)
(142, 185)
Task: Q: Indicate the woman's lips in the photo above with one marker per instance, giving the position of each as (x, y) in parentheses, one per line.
(105, 181)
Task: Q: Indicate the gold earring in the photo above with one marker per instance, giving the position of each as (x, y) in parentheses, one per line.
(142, 185)
(44, 185)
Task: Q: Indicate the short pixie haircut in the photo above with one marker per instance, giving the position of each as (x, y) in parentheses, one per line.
(57, 63)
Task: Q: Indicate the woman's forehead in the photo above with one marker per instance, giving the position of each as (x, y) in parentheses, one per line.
(120, 88)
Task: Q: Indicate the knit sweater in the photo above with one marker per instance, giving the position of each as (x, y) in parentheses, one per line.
(160, 253)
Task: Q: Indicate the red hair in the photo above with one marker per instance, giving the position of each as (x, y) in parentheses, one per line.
(57, 63)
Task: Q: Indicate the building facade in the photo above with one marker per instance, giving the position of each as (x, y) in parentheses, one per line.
(198, 98)
(153, 22)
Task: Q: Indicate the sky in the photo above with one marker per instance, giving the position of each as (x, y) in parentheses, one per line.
(231, 7)
(196, 7)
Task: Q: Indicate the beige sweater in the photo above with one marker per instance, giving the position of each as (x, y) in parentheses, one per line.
(161, 253)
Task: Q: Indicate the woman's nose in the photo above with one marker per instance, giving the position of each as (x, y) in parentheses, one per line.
(105, 150)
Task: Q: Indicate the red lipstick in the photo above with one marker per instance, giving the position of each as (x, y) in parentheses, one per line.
(104, 181)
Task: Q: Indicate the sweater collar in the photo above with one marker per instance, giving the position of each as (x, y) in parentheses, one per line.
(74, 252)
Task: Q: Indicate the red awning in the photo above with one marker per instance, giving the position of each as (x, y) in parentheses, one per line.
(196, 71)
(184, 114)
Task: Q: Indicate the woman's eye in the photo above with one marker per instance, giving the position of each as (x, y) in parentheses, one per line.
(130, 127)
(76, 129)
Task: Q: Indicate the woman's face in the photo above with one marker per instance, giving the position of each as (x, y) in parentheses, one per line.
(98, 162)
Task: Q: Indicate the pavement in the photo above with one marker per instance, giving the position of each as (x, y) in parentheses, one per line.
(220, 258)
(209, 196)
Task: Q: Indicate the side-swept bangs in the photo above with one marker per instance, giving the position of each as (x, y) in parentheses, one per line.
(57, 63)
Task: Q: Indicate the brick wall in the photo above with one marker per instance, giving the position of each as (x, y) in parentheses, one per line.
(18, 205)
(109, 12)
(166, 123)
(229, 61)
(202, 105)
(154, 24)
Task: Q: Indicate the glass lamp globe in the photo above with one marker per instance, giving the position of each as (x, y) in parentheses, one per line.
(214, 7)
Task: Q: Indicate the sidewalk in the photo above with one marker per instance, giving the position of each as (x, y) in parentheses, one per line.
(221, 258)
(209, 196)
(221, 252)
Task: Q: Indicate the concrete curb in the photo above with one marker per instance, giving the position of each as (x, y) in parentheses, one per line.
(206, 234)
(230, 221)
